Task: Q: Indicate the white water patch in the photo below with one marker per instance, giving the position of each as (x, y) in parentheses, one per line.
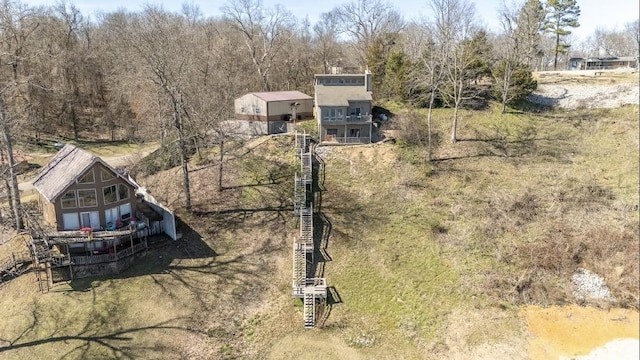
(618, 349)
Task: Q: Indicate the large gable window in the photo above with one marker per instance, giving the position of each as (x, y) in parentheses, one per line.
(68, 200)
(87, 198)
(88, 178)
(106, 175)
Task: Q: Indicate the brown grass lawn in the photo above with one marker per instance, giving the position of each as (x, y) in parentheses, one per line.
(426, 260)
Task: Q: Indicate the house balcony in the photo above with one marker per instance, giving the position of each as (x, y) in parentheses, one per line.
(350, 119)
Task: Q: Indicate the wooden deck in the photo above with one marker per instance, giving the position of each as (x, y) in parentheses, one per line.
(73, 237)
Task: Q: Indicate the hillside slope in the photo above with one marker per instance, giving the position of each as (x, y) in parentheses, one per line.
(439, 260)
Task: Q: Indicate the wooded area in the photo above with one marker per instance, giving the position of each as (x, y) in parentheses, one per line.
(171, 77)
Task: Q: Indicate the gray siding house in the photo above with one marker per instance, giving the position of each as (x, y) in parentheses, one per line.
(343, 108)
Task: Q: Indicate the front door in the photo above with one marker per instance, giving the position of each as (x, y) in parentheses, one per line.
(90, 219)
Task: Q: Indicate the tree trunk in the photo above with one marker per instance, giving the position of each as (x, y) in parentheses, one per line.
(505, 86)
(454, 128)
(429, 117)
(74, 121)
(555, 58)
(15, 191)
(221, 158)
(182, 145)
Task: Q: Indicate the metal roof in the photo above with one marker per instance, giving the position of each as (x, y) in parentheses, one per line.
(340, 95)
(282, 95)
(64, 168)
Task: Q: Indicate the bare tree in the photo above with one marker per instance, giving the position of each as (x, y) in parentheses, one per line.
(633, 31)
(7, 141)
(326, 40)
(16, 33)
(455, 27)
(265, 31)
(365, 21)
(162, 42)
(428, 54)
(612, 42)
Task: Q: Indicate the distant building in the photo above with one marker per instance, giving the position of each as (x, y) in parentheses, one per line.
(604, 63)
(269, 112)
(343, 107)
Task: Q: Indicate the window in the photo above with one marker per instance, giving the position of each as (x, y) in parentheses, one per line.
(106, 175)
(115, 193)
(118, 213)
(70, 221)
(123, 192)
(110, 194)
(68, 200)
(332, 134)
(87, 198)
(242, 109)
(111, 215)
(125, 211)
(88, 178)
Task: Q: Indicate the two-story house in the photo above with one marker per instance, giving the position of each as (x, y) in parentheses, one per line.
(343, 105)
(79, 190)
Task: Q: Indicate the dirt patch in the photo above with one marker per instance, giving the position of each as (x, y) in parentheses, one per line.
(483, 334)
(581, 89)
(312, 345)
(572, 331)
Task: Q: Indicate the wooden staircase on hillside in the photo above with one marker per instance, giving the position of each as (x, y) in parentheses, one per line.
(304, 284)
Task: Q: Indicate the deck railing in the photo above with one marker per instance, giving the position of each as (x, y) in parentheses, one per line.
(348, 119)
(352, 140)
(98, 259)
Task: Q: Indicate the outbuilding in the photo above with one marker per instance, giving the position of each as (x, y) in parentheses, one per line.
(269, 112)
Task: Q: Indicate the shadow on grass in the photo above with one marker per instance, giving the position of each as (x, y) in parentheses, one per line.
(118, 342)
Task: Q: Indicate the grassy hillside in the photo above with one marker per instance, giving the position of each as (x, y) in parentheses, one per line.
(426, 261)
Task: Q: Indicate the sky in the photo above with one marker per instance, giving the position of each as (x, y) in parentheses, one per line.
(608, 14)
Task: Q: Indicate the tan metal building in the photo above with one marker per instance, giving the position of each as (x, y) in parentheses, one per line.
(273, 109)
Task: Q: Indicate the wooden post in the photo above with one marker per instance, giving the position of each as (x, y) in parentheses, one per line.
(47, 266)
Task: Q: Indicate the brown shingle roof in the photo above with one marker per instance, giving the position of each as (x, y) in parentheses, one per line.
(282, 95)
(64, 168)
(340, 95)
